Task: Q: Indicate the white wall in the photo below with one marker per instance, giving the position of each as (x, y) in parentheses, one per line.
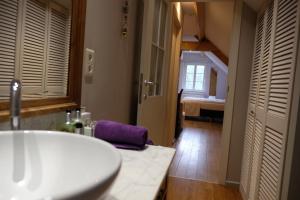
(108, 95)
(221, 90)
(199, 57)
(192, 26)
(239, 92)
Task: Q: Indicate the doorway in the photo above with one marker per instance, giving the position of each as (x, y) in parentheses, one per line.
(202, 89)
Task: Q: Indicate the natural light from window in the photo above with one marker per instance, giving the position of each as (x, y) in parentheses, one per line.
(194, 79)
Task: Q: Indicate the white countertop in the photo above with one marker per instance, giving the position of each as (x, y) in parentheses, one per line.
(142, 173)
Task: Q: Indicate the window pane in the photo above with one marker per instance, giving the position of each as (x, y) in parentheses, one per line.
(162, 24)
(156, 21)
(190, 69)
(189, 78)
(160, 63)
(189, 85)
(200, 69)
(198, 85)
(199, 77)
(152, 70)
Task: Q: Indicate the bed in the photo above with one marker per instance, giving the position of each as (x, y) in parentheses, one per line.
(192, 105)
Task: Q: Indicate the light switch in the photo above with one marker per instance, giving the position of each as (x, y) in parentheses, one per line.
(89, 62)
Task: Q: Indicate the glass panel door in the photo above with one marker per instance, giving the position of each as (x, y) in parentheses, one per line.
(158, 49)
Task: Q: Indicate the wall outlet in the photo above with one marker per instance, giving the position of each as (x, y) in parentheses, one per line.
(89, 62)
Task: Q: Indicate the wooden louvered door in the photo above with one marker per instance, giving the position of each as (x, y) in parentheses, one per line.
(269, 120)
(8, 40)
(250, 124)
(58, 51)
(33, 49)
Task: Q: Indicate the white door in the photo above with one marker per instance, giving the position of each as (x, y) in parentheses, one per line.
(152, 95)
(270, 100)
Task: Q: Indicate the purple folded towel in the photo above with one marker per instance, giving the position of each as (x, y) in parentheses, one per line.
(121, 135)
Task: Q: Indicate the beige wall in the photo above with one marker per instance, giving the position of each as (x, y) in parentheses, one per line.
(173, 74)
(213, 83)
(240, 101)
(190, 25)
(218, 24)
(108, 95)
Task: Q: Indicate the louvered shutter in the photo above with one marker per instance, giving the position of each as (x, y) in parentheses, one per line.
(250, 123)
(279, 98)
(58, 51)
(261, 108)
(269, 100)
(8, 40)
(247, 154)
(33, 49)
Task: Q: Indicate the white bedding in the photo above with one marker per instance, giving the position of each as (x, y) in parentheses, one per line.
(197, 99)
(192, 105)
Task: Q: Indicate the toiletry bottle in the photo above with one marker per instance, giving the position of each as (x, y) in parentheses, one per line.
(86, 120)
(78, 125)
(68, 127)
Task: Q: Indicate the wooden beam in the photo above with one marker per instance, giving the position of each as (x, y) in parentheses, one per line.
(204, 45)
(201, 19)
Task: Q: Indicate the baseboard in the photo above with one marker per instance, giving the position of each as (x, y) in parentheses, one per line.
(232, 184)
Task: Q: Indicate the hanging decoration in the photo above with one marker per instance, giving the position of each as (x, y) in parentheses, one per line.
(125, 9)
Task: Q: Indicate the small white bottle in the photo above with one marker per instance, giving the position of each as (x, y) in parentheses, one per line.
(78, 125)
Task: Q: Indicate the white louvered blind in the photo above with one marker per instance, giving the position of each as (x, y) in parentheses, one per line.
(272, 101)
(8, 36)
(266, 55)
(34, 47)
(261, 108)
(256, 62)
(249, 134)
(58, 51)
(279, 98)
(247, 154)
(258, 137)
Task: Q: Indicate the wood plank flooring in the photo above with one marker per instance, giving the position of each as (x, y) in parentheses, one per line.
(198, 152)
(183, 189)
(194, 170)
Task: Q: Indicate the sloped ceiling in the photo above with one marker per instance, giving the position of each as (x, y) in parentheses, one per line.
(218, 22)
(255, 4)
(191, 24)
(189, 8)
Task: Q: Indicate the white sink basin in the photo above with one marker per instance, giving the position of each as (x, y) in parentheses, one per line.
(55, 165)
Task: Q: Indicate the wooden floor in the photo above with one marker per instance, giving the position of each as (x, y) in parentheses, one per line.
(198, 152)
(194, 170)
(183, 189)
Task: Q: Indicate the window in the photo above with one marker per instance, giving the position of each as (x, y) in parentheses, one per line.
(158, 47)
(194, 77)
(38, 49)
(41, 44)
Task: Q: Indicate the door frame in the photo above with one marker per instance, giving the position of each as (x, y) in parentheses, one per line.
(172, 75)
(228, 112)
(231, 80)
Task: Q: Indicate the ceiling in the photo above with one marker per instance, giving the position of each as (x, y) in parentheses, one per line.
(217, 24)
(189, 8)
(254, 4)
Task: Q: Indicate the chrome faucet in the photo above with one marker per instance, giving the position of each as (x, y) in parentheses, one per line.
(15, 104)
